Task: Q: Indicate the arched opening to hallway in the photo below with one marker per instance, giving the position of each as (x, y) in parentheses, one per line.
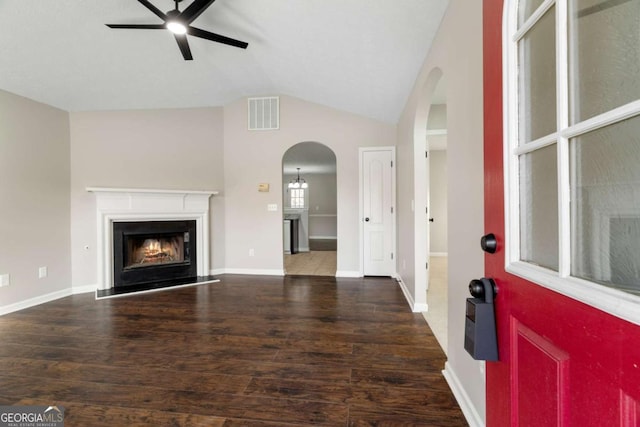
(310, 210)
(430, 185)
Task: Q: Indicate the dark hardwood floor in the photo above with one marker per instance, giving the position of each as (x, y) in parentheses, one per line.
(246, 351)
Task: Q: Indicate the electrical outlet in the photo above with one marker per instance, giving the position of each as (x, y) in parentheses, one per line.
(252, 252)
(5, 280)
(42, 272)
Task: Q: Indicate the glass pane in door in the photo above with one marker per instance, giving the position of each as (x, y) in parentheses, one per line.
(526, 9)
(537, 80)
(539, 208)
(605, 209)
(604, 56)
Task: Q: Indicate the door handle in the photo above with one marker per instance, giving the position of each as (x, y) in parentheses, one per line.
(484, 288)
(430, 219)
(367, 219)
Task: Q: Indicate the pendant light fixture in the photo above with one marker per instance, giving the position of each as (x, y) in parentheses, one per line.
(298, 182)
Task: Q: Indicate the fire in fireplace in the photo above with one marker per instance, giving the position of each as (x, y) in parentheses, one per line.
(153, 251)
(159, 250)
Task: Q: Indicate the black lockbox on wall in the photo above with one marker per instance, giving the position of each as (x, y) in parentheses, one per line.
(480, 339)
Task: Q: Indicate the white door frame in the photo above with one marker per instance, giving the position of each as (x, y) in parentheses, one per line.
(420, 217)
(361, 152)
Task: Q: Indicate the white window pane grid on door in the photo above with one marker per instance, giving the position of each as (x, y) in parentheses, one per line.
(565, 152)
(526, 8)
(602, 55)
(605, 213)
(539, 208)
(537, 80)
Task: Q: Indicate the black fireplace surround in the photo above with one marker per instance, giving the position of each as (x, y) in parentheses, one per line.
(153, 252)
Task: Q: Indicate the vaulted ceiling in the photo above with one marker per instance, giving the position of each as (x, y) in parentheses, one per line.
(360, 56)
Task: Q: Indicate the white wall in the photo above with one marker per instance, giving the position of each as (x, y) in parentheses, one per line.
(34, 200)
(322, 204)
(254, 157)
(437, 116)
(457, 55)
(162, 149)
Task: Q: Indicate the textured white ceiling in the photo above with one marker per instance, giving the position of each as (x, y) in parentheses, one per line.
(360, 56)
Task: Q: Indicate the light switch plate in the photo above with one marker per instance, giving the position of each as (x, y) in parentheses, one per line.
(42, 272)
(272, 207)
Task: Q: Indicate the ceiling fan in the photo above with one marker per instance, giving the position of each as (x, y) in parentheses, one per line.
(179, 23)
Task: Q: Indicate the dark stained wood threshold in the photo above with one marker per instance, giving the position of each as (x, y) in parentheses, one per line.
(246, 351)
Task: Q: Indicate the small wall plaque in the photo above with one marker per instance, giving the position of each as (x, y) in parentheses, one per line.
(263, 188)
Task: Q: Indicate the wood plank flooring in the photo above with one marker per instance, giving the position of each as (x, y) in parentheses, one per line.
(246, 351)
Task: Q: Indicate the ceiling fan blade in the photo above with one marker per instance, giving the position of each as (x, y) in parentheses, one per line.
(138, 26)
(197, 32)
(194, 10)
(160, 14)
(183, 44)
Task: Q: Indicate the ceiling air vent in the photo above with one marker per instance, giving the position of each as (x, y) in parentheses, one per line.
(264, 113)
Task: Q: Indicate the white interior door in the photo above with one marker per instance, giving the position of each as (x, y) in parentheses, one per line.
(378, 216)
(428, 211)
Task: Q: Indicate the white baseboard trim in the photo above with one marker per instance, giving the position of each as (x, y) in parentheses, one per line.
(216, 271)
(253, 271)
(416, 308)
(84, 289)
(420, 308)
(31, 302)
(324, 237)
(346, 273)
(303, 249)
(438, 254)
(468, 410)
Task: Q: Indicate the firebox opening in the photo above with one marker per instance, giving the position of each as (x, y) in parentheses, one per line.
(146, 250)
(153, 251)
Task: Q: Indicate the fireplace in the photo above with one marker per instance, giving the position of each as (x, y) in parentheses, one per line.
(153, 251)
(151, 207)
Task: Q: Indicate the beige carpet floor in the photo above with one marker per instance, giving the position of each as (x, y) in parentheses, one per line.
(313, 263)
(436, 315)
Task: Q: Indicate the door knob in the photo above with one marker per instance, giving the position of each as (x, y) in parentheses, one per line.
(367, 219)
(483, 289)
(430, 219)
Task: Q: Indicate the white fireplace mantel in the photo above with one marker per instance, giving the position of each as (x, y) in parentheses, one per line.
(134, 204)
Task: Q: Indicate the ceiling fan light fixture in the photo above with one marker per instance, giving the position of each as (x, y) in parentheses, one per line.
(176, 27)
(179, 23)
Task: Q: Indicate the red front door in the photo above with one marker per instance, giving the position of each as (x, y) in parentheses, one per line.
(562, 362)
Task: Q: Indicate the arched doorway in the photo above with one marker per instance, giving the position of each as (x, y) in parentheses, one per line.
(430, 137)
(309, 210)
(437, 249)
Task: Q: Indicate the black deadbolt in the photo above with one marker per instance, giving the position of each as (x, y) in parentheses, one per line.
(488, 243)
